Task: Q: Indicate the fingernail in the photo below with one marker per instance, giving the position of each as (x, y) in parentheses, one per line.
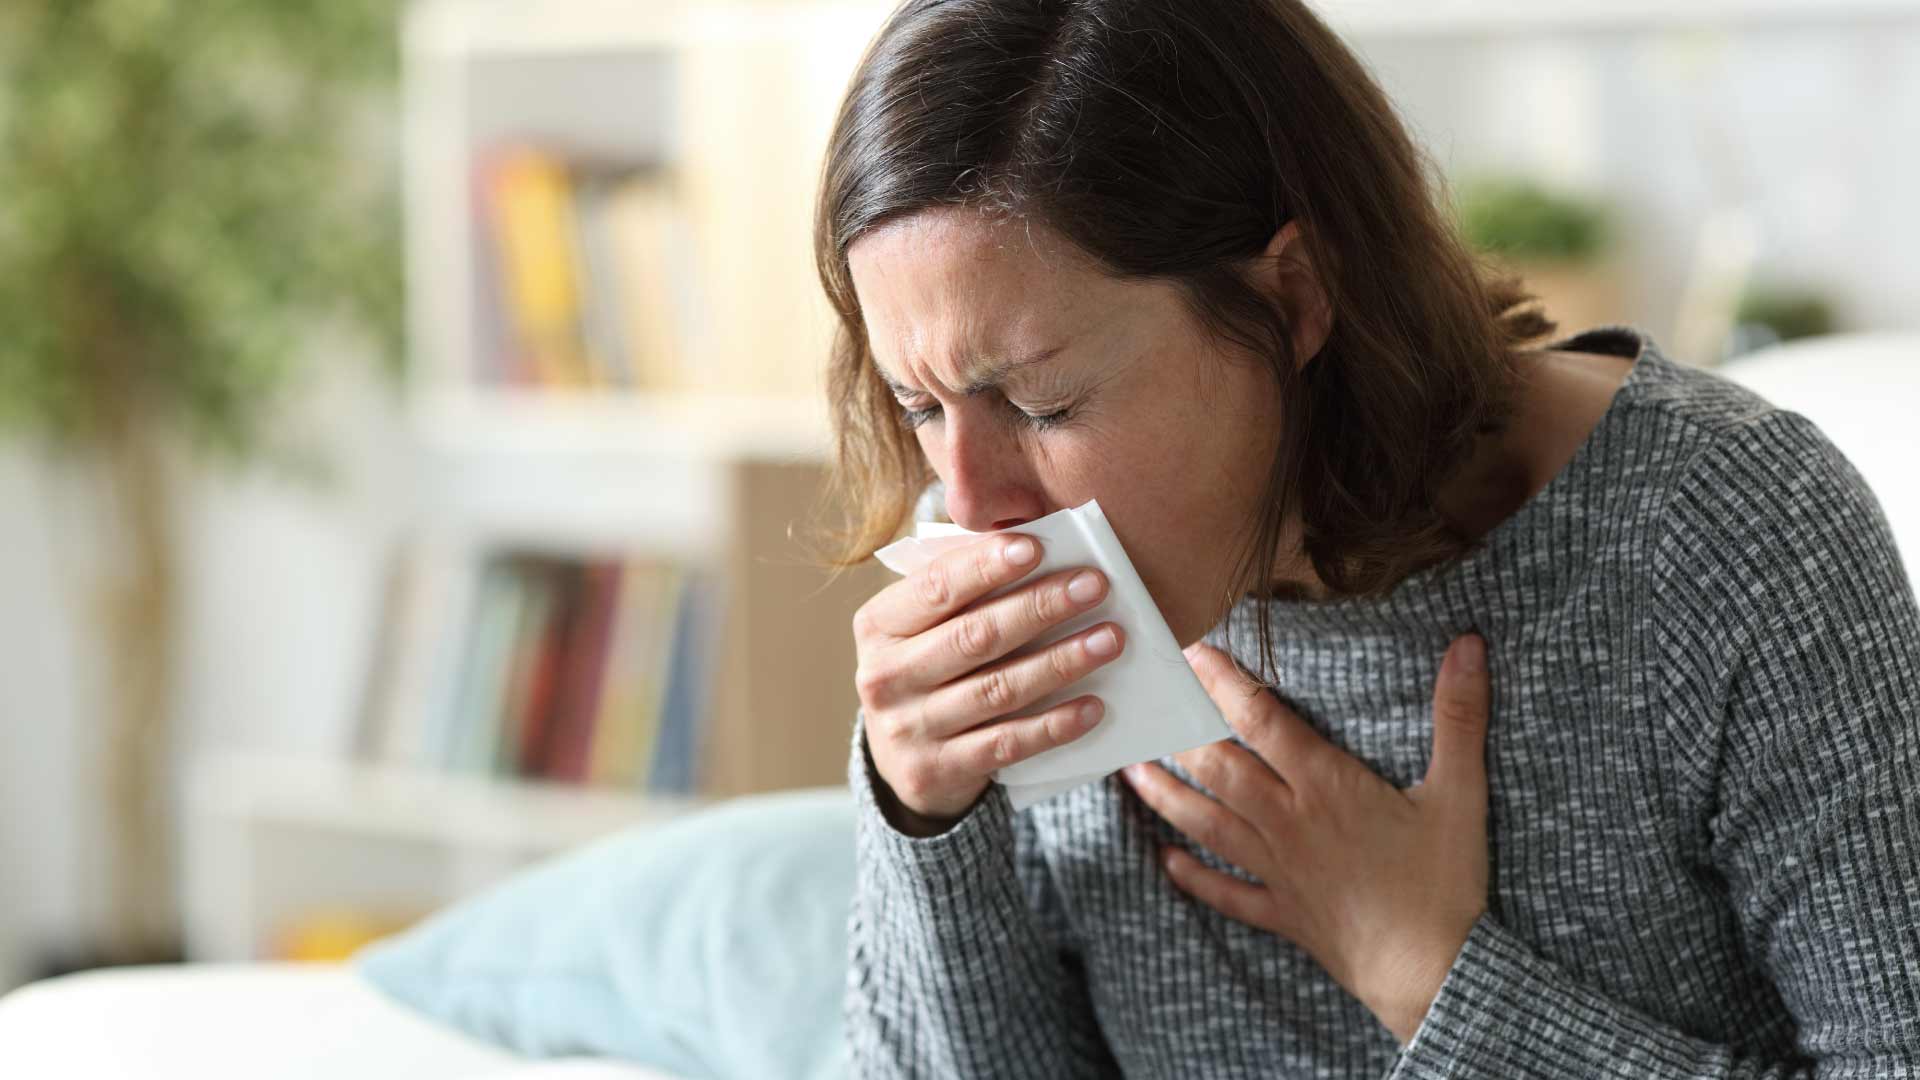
(1018, 553)
(1084, 587)
(1473, 655)
(1104, 643)
(1090, 713)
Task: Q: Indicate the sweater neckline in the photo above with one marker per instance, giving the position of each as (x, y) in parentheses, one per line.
(1526, 553)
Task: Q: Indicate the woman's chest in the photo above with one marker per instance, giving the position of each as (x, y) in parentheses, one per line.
(1592, 845)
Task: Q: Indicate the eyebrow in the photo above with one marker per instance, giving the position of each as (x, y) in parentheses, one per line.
(986, 376)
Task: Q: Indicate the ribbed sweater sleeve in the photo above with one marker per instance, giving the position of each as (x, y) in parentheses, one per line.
(959, 963)
(1791, 689)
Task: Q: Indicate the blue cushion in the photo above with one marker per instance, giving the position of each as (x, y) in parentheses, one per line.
(710, 946)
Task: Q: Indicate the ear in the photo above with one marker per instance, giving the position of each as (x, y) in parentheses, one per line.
(1295, 281)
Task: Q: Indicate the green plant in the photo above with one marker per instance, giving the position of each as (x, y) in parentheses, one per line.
(1787, 313)
(1521, 219)
(180, 201)
(190, 191)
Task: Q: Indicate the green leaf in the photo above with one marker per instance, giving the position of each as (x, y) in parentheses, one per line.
(186, 195)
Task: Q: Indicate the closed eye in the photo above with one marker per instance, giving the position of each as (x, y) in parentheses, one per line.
(1036, 421)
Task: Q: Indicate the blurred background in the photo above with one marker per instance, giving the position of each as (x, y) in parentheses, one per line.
(410, 413)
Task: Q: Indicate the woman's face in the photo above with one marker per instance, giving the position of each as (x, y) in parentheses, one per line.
(1038, 382)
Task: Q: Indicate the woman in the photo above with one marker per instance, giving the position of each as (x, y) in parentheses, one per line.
(1654, 815)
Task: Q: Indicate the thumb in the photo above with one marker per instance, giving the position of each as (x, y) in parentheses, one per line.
(1459, 764)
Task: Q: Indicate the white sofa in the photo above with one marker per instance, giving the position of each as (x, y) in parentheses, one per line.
(236, 1022)
(304, 1023)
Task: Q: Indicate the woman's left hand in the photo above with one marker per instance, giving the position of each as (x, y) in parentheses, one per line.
(1380, 886)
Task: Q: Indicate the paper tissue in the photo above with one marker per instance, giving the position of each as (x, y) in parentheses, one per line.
(1155, 705)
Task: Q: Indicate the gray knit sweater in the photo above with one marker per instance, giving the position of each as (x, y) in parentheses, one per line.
(1704, 772)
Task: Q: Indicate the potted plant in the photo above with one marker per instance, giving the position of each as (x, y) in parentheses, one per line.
(1770, 313)
(183, 203)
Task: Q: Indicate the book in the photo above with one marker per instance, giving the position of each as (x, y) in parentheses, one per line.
(604, 333)
(643, 235)
(677, 755)
(470, 730)
(533, 578)
(638, 675)
(530, 193)
(535, 727)
(581, 676)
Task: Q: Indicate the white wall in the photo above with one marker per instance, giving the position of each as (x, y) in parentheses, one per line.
(278, 590)
(1813, 126)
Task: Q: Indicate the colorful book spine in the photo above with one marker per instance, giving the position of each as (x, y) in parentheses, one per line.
(582, 276)
(531, 196)
(578, 671)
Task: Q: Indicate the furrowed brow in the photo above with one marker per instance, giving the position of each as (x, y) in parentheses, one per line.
(986, 375)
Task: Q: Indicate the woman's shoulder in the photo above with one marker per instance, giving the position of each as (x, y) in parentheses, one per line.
(1719, 451)
(1759, 507)
(1702, 405)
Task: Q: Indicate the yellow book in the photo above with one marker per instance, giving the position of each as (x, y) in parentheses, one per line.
(657, 662)
(534, 222)
(621, 717)
(332, 936)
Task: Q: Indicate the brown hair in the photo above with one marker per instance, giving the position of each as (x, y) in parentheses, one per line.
(1171, 139)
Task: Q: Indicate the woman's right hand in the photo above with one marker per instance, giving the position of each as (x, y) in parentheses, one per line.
(942, 708)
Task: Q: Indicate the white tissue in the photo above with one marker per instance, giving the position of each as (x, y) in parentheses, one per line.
(1155, 705)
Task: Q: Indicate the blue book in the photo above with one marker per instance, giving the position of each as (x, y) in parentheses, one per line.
(676, 755)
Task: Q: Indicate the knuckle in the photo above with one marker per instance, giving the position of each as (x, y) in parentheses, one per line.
(1005, 746)
(933, 587)
(1046, 606)
(996, 690)
(917, 778)
(975, 636)
(1064, 660)
(894, 727)
(872, 683)
(984, 563)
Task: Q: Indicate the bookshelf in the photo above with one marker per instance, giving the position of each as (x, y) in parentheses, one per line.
(617, 340)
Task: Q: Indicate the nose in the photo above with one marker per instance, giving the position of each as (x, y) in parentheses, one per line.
(989, 486)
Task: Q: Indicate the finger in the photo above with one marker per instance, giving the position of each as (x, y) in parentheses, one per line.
(932, 594)
(1460, 703)
(1224, 893)
(992, 629)
(1012, 685)
(995, 746)
(1208, 823)
(1274, 731)
(1238, 778)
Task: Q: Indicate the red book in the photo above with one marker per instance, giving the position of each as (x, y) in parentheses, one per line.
(583, 672)
(543, 696)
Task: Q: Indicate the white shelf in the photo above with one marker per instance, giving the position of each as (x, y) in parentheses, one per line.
(465, 813)
(552, 422)
(270, 840)
(1406, 18)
